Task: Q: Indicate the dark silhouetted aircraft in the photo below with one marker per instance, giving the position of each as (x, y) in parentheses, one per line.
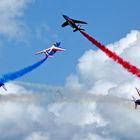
(136, 101)
(72, 23)
(2, 85)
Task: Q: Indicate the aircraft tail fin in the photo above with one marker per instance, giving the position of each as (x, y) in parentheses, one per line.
(133, 98)
(79, 28)
(138, 91)
(134, 102)
(57, 44)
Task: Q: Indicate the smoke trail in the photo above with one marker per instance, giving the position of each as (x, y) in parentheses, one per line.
(14, 75)
(131, 68)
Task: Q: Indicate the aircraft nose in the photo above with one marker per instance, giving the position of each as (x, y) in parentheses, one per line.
(64, 16)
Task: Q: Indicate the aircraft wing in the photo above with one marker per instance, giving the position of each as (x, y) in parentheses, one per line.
(46, 50)
(78, 21)
(65, 24)
(58, 49)
(4, 88)
(39, 52)
(43, 51)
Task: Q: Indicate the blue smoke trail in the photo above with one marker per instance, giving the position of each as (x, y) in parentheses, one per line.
(14, 75)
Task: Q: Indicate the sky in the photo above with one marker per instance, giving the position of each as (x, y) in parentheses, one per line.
(33, 25)
(80, 93)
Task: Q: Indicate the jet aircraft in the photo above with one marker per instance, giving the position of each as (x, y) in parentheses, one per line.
(136, 101)
(73, 23)
(2, 85)
(49, 52)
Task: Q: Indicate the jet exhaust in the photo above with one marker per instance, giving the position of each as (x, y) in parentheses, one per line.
(126, 65)
(14, 75)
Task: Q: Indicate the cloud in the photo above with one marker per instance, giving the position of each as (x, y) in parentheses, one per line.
(92, 104)
(14, 88)
(86, 113)
(92, 136)
(41, 115)
(37, 136)
(96, 73)
(10, 12)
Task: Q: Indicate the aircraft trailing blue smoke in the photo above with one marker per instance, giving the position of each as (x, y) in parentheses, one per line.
(14, 75)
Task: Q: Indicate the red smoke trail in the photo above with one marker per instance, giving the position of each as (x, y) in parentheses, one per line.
(134, 70)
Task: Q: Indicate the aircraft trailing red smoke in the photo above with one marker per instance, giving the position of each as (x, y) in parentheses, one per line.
(131, 68)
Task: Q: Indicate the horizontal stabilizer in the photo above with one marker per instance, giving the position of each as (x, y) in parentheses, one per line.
(50, 56)
(138, 91)
(78, 29)
(4, 88)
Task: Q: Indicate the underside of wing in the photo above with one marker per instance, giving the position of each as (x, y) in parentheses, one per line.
(65, 24)
(46, 50)
(4, 88)
(57, 49)
(39, 52)
(78, 21)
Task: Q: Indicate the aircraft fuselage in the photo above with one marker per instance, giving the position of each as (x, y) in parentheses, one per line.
(137, 101)
(70, 21)
(51, 52)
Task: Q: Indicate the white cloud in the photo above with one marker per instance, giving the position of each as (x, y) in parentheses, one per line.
(75, 117)
(37, 136)
(96, 137)
(10, 12)
(86, 113)
(96, 73)
(73, 83)
(88, 107)
(14, 88)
